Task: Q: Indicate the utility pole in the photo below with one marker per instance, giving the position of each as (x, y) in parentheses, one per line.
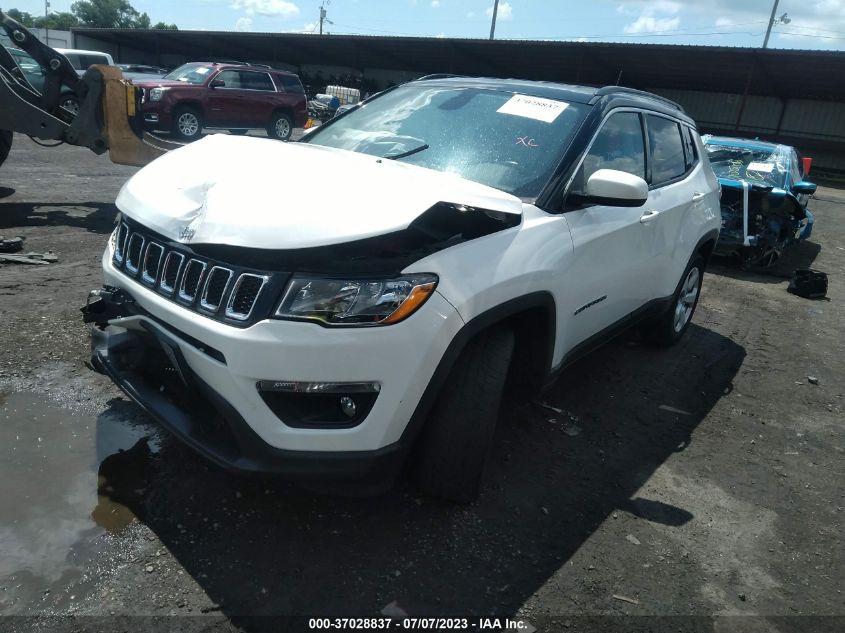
(493, 23)
(323, 17)
(784, 19)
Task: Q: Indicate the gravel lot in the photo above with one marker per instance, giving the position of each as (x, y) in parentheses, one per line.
(705, 480)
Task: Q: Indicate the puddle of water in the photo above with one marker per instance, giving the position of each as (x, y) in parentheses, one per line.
(64, 474)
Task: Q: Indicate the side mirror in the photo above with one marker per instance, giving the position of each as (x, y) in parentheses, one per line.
(218, 83)
(616, 188)
(804, 187)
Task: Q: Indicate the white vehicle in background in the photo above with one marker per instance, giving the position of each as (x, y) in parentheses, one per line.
(468, 233)
(81, 60)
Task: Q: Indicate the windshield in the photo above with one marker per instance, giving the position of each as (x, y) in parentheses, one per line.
(508, 141)
(189, 73)
(765, 167)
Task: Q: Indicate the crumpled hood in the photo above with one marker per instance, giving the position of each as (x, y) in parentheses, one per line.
(263, 193)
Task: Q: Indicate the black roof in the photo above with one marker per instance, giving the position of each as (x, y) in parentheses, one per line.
(777, 72)
(609, 96)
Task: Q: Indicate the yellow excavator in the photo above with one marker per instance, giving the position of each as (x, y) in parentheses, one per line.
(108, 119)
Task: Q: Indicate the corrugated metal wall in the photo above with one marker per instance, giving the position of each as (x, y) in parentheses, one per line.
(816, 127)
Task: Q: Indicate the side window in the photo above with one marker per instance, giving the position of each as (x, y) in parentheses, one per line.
(796, 167)
(690, 150)
(256, 81)
(75, 61)
(667, 149)
(231, 78)
(86, 61)
(618, 145)
(291, 84)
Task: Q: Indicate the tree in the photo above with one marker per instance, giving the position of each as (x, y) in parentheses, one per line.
(161, 26)
(108, 14)
(58, 21)
(26, 19)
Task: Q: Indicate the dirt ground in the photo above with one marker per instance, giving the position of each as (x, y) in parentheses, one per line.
(694, 485)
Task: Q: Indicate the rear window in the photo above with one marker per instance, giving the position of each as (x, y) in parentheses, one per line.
(256, 81)
(290, 84)
(667, 149)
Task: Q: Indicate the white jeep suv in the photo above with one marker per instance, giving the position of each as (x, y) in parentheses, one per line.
(323, 309)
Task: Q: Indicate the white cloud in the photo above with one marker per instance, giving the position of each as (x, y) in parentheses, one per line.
(651, 24)
(440, 35)
(471, 14)
(243, 24)
(505, 11)
(268, 8)
(724, 22)
(435, 4)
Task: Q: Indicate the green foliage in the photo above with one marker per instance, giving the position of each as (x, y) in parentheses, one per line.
(107, 14)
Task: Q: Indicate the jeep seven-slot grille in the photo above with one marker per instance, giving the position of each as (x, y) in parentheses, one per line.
(220, 291)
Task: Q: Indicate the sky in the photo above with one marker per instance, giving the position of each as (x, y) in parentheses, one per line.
(812, 24)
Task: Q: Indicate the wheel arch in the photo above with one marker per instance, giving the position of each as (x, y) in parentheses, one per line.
(533, 319)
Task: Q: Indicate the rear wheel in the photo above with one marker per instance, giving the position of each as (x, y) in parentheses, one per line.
(5, 145)
(187, 123)
(668, 329)
(459, 432)
(281, 127)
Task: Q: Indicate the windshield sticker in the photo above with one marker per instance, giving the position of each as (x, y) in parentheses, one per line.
(537, 108)
(526, 141)
(202, 71)
(765, 168)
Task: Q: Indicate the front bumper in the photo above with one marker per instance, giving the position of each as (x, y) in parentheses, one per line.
(225, 366)
(138, 361)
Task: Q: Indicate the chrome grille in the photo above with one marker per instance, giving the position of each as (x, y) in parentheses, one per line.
(170, 272)
(194, 271)
(152, 262)
(120, 242)
(133, 252)
(215, 288)
(217, 291)
(244, 295)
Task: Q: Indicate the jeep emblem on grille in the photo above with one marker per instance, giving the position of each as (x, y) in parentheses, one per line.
(187, 234)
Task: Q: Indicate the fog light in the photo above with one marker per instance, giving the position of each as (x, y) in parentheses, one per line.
(347, 405)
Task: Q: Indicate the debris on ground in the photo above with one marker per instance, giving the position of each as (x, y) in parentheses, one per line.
(812, 380)
(11, 244)
(808, 283)
(633, 539)
(571, 429)
(394, 611)
(666, 407)
(625, 599)
(39, 259)
(546, 405)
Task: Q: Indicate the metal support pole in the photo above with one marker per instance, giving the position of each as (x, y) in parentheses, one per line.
(493, 23)
(771, 24)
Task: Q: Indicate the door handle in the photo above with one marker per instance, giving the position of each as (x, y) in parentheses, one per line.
(697, 196)
(648, 216)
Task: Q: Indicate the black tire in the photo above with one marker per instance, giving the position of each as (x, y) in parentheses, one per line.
(280, 127)
(238, 132)
(70, 102)
(5, 145)
(455, 445)
(669, 328)
(187, 123)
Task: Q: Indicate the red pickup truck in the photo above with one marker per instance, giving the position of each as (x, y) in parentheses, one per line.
(236, 97)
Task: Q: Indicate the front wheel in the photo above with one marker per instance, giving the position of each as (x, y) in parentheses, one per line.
(459, 433)
(281, 127)
(5, 144)
(668, 329)
(187, 124)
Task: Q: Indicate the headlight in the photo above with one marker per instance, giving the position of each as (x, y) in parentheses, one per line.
(157, 93)
(355, 302)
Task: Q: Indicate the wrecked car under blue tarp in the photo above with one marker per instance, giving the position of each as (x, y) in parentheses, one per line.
(764, 198)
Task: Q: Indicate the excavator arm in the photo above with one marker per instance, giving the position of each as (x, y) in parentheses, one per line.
(109, 118)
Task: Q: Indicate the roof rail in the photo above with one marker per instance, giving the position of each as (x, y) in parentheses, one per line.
(607, 90)
(438, 76)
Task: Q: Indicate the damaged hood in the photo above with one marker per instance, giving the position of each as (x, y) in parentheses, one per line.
(263, 193)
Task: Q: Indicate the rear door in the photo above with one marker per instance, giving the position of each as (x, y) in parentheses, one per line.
(614, 253)
(673, 160)
(259, 97)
